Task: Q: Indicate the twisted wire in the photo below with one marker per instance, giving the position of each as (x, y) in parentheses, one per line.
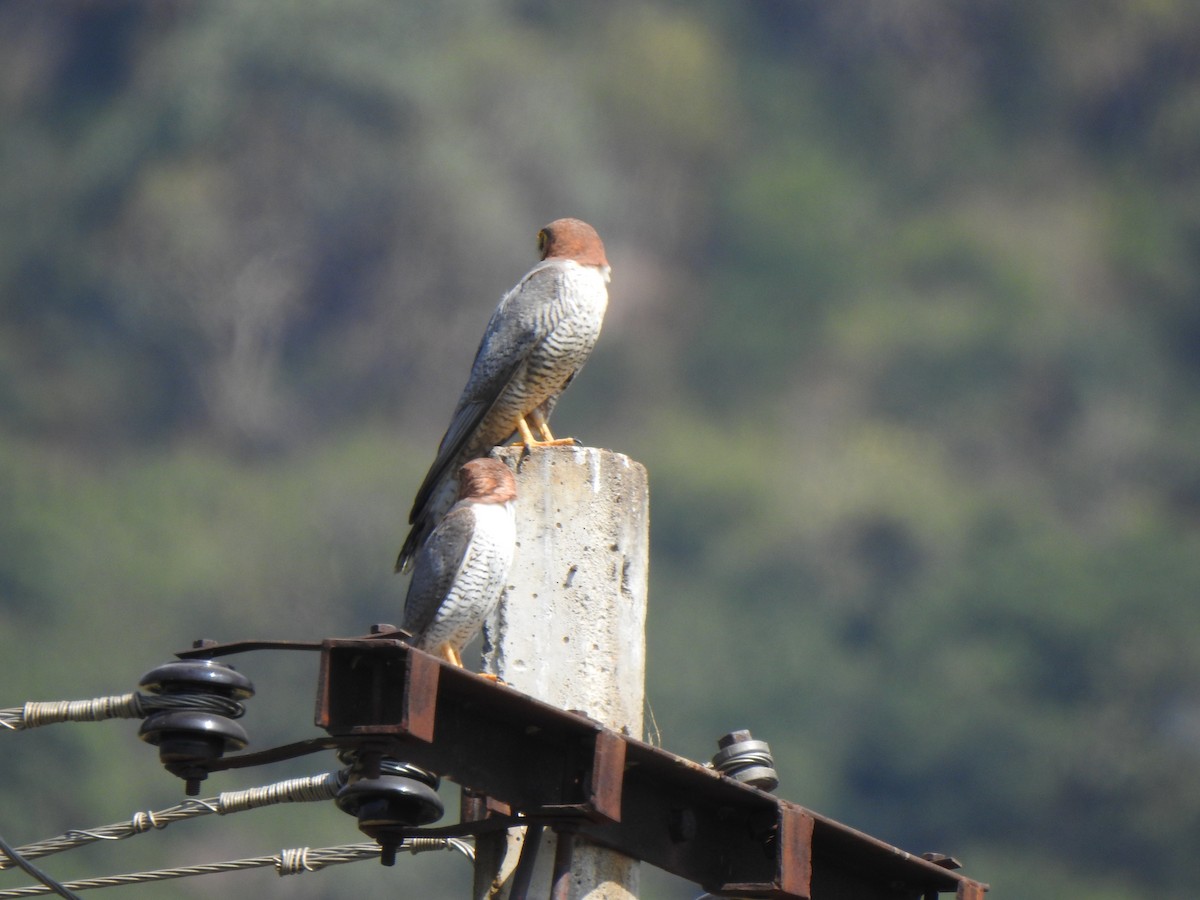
(294, 790)
(287, 862)
(466, 848)
(30, 869)
(134, 705)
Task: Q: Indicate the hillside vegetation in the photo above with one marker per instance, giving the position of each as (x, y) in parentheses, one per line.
(905, 325)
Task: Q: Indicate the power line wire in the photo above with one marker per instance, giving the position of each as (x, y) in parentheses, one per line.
(49, 883)
(134, 705)
(293, 790)
(287, 862)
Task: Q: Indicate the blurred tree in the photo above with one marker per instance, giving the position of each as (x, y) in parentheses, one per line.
(903, 323)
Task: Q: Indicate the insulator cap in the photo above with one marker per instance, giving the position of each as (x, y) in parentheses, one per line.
(215, 732)
(402, 796)
(186, 740)
(197, 676)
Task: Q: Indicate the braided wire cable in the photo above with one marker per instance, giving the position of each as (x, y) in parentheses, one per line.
(134, 705)
(421, 844)
(287, 862)
(30, 869)
(306, 789)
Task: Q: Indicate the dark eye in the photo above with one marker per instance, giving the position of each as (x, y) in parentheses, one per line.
(543, 242)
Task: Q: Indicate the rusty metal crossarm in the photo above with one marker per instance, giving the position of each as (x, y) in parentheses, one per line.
(550, 765)
(540, 765)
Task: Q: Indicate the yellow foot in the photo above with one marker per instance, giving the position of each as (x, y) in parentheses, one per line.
(448, 653)
(543, 427)
(526, 435)
(528, 441)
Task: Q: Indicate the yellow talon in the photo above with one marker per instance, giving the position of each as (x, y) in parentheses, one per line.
(542, 426)
(450, 655)
(526, 434)
(529, 440)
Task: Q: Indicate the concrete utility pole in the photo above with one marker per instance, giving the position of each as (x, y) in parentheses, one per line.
(570, 631)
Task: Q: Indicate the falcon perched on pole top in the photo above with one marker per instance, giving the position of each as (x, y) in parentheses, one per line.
(536, 341)
(460, 570)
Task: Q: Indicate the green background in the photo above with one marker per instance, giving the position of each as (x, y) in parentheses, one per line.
(904, 323)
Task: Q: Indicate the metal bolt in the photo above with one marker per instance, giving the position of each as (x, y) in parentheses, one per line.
(734, 737)
(746, 760)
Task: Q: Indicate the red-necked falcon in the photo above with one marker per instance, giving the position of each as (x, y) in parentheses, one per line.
(459, 572)
(536, 341)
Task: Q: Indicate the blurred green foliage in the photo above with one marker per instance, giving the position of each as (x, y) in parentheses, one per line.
(904, 324)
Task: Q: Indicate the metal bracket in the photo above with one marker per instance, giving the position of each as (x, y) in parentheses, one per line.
(524, 762)
(547, 765)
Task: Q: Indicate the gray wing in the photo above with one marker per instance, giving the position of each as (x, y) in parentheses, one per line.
(436, 567)
(524, 317)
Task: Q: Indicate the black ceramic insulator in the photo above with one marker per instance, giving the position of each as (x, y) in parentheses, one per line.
(402, 796)
(186, 740)
(197, 676)
(189, 738)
